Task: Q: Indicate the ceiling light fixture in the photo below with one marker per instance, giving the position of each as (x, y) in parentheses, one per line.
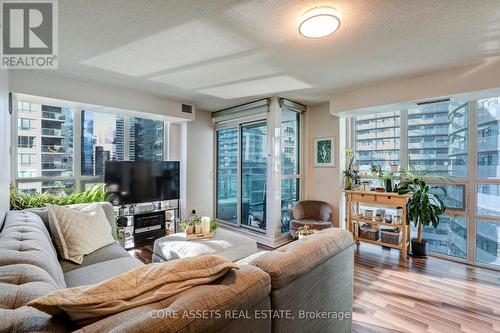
(320, 22)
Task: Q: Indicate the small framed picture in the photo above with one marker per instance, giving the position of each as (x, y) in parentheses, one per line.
(324, 152)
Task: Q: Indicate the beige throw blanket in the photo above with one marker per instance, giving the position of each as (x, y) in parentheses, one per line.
(143, 285)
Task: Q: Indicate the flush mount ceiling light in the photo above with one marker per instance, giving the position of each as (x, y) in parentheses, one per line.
(320, 22)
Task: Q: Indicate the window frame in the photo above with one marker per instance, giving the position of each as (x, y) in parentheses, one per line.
(470, 181)
(77, 178)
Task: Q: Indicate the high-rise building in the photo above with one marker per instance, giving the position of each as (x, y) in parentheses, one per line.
(146, 140)
(45, 146)
(119, 138)
(100, 158)
(88, 141)
(377, 140)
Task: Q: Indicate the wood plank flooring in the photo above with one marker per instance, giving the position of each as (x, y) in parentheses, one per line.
(418, 295)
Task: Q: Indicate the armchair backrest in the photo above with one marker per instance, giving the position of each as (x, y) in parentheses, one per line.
(312, 209)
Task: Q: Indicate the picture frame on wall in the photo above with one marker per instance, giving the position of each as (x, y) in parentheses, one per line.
(324, 152)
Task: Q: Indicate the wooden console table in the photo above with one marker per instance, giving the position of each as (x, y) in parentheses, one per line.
(382, 199)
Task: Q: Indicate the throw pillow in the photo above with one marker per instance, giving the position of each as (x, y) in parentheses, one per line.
(79, 232)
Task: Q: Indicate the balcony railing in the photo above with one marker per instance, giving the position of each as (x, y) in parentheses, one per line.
(422, 121)
(53, 115)
(418, 132)
(53, 149)
(52, 166)
(51, 132)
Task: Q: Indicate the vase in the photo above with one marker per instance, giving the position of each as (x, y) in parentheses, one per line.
(347, 183)
(388, 185)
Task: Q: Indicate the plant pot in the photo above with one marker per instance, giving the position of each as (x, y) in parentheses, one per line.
(347, 183)
(418, 249)
(388, 185)
(189, 230)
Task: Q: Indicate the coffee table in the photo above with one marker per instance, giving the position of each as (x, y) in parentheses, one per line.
(225, 243)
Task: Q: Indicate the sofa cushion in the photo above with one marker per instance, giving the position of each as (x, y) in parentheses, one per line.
(106, 206)
(27, 254)
(101, 271)
(28, 319)
(28, 269)
(287, 263)
(79, 231)
(105, 253)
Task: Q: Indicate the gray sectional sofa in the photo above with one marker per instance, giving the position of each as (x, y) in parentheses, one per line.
(307, 278)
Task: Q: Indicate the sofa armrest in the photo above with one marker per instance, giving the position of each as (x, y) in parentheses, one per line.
(289, 262)
(245, 289)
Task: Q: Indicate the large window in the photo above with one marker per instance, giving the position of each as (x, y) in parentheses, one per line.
(45, 145)
(146, 139)
(227, 175)
(488, 138)
(45, 151)
(449, 238)
(258, 166)
(102, 140)
(437, 138)
(254, 175)
(290, 164)
(488, 242)
(377, 140)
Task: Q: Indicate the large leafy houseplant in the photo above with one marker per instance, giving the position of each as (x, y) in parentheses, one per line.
(20, 200)
(424, 207)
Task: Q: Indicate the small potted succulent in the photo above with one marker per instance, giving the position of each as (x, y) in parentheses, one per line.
(191, 224)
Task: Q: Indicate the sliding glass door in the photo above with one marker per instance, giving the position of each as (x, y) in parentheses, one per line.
(227, 175)
(242, 175)
(253, 175)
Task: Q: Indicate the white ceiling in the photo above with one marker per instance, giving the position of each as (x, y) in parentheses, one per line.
(240, 50)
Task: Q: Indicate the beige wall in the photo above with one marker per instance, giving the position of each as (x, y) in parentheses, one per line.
(199, 164)
(322, 183)
(5, 144)
(470, 82)
(94, 93)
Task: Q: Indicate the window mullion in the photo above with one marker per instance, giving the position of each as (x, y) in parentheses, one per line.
(77, 147)
(403, 139)
(472, 188)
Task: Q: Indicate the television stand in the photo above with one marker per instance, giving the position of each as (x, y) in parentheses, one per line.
(141, 228)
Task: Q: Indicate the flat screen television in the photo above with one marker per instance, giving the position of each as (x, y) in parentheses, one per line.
(130, 182)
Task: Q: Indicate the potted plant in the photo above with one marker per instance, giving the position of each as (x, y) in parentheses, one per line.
(351, 174)
(376, 171)
(424, 207)
(190, 224)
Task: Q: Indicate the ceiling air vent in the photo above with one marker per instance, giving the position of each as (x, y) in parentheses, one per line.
(434, 101)
(187, 108)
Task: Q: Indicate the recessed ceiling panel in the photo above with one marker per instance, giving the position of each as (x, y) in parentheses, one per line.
(217, 73)
(268, 85)
(186, 44)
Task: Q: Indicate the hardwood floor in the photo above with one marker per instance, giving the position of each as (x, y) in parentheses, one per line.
(416, 295)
